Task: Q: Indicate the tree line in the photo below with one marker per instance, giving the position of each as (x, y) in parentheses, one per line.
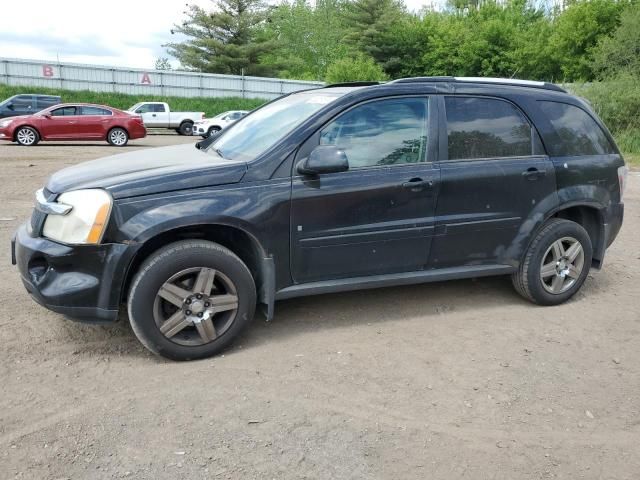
(342, 40)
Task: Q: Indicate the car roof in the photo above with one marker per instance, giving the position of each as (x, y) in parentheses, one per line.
(84, 105)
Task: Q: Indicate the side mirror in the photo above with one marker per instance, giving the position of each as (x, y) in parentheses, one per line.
(46, 115)
(324, 159)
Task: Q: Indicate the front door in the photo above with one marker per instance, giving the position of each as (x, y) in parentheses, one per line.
(63, 123)
(494, 174)
(377, 217)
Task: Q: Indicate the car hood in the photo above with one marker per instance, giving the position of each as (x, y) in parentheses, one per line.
(14, 118)
(149, 171)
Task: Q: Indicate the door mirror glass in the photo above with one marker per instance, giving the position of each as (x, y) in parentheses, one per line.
(324, 159)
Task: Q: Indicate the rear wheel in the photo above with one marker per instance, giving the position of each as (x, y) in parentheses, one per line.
(556, 264)
(27, 136)
(118, 137)
(191, 299)
(185, 128)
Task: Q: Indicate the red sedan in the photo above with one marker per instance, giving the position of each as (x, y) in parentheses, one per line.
(76, 121)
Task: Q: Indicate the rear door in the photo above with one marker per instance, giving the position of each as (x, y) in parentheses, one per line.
(95, 122)
(493, 174)
(377, 217)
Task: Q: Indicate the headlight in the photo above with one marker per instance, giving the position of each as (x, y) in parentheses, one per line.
(87, 220)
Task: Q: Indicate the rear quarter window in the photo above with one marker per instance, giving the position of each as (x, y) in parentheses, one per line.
(576, 132)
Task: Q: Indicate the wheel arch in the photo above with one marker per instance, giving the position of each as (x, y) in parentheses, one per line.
(122, 127)
(591, 218)
(15, 130)
(245, 245)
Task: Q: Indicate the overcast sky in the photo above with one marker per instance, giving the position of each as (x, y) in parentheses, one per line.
(116, 32)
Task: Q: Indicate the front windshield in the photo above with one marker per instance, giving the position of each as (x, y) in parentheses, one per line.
(256, 133)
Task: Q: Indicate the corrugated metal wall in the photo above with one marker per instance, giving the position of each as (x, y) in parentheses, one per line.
(73, 76)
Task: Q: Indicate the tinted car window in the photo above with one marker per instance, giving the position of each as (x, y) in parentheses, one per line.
(64, 111)
(21, 104)
(95, 111)
(45, 102)
(145, 108)
(158, 108)
(386, 132)
(485, 128)
(577, 132)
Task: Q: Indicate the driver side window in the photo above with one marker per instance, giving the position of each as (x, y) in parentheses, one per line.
(384, 132)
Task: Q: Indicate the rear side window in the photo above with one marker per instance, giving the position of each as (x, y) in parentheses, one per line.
(486, 128)
(95, 111)
(577, 133)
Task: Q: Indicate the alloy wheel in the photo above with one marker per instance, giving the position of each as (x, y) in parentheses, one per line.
(118, 137)
(26, 136)
(562, 265)
(195, 306)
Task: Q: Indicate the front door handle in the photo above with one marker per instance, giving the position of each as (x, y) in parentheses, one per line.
(417, 184)
(533, 173)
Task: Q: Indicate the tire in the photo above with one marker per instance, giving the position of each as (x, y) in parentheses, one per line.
(547, 275)
(118, 137)
(211, 131)
(150, 309)
(27, 136)
(185, 128)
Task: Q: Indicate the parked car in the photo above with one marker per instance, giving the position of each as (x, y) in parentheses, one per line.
(26, 104)
(326, 190)
(208, 126)
(73, 121)
(159, 115)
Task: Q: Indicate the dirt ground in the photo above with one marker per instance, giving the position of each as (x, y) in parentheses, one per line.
(454, 380)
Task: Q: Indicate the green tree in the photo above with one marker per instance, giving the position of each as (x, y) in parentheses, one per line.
(576, 31)
(224, 40)
(620, 52)
(358, 68)
(307, 38)
(162, 63)
(368, 24)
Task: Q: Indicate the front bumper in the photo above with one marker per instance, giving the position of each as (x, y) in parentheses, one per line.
(198, 130)
(82, 282)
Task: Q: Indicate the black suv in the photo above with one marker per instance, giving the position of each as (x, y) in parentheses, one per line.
(337, 188)
(26, 104)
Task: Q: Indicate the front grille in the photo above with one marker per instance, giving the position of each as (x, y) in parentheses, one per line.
(37, 222)
(38, 218)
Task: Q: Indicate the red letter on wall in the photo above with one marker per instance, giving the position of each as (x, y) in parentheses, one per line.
(47, 71)
(145, 79)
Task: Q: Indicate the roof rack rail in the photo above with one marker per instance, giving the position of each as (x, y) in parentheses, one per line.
(490, 80)
(351, 84)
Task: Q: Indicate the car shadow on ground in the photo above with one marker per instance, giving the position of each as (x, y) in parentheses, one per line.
(316, 314)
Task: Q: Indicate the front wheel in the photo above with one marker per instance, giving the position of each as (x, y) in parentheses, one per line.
(27, 136)
(556, 263)
(118, 137)
(212, 131)
(191, 299)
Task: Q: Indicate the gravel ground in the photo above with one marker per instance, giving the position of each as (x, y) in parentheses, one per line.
(460, 379)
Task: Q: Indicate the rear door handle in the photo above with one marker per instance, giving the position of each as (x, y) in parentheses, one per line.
(533, 173)
(417, 184)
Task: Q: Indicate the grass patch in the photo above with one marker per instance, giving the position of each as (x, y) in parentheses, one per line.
(210, 105)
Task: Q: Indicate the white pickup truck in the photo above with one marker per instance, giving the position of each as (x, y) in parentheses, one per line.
(159, 115)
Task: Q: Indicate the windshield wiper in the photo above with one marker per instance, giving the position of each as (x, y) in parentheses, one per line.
(219, 152)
